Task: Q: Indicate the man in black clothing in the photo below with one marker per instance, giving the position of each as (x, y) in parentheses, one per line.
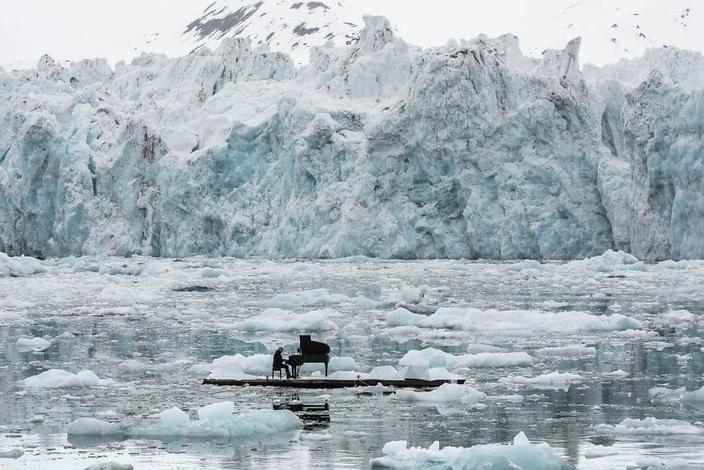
(279, 362)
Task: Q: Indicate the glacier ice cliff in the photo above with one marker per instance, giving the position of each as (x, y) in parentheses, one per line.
(380, 149)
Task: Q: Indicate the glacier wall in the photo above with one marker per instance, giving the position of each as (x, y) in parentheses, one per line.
(380, 149)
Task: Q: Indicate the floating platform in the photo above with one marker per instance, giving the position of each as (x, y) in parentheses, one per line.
(330, 383)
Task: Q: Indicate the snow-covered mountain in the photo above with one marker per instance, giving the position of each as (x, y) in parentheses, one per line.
(379, 148)
(610, 29)
(289, 25)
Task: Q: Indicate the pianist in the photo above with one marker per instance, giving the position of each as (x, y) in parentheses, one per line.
(280, 363)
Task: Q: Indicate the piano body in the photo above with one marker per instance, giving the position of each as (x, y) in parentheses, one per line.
(311, 352)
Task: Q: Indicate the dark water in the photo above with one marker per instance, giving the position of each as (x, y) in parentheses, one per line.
(171, 331)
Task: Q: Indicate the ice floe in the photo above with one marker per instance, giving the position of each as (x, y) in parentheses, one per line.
(282, 320)
(110, 466)
(551, 380)
(216, 420)
(574, 350)
(11, 454)
(57, 378)
(19, 266)
(314, 298)
(651, 426)
(614, 261)
(668, 396)
(32, 344)
(512, 321)
(431, 357)
(446, 393)
(520, 455)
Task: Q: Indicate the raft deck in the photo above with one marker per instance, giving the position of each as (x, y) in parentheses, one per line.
(330, 383)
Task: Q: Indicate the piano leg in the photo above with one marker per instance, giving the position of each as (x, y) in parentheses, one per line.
(326, 368)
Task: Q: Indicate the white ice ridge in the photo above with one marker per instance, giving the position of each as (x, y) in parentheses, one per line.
(216, 420)
(512, 321)
(380, 149)
(520, 455)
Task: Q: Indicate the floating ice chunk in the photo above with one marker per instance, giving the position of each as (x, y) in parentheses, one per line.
(614, 261)
(94, 427)
(483, 348)
(19, 266)
(431, 357)
(355, 434)
(133, 366)
(670, 264)
(696, 396)
(237, 366)
(416, 372)
(12, 454)
(599, 452)
(651, 426)
(666, 396)
(651, 463)
(676, 317)
(412, 295)
(344, 375)
(57, 378)
(520, 455)
(32, 344)
(575, 350)
(313, 298)
(110, 466)
(216, 420)
(174, 417)
(282, 320)
(525, 265)
(658, 345)
(402, 317)
(10, 317)
(512, 321)
(337, 363)
(217, 413)
(552, 380)
(384, 372)
(317, 436)
(441, 373)
(617, 374)
(446, 393)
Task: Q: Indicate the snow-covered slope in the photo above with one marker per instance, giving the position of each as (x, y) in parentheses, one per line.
(379, 149)
(289, 25)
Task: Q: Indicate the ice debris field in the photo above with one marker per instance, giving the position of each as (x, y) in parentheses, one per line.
(591, 364)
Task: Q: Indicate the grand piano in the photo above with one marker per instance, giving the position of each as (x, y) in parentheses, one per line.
(310, 352)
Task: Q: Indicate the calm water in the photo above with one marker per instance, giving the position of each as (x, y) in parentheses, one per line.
(96, 321)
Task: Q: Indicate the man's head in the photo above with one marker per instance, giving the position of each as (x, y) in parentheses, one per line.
(280, 349)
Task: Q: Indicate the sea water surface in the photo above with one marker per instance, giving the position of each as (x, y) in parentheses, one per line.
(142, 325)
